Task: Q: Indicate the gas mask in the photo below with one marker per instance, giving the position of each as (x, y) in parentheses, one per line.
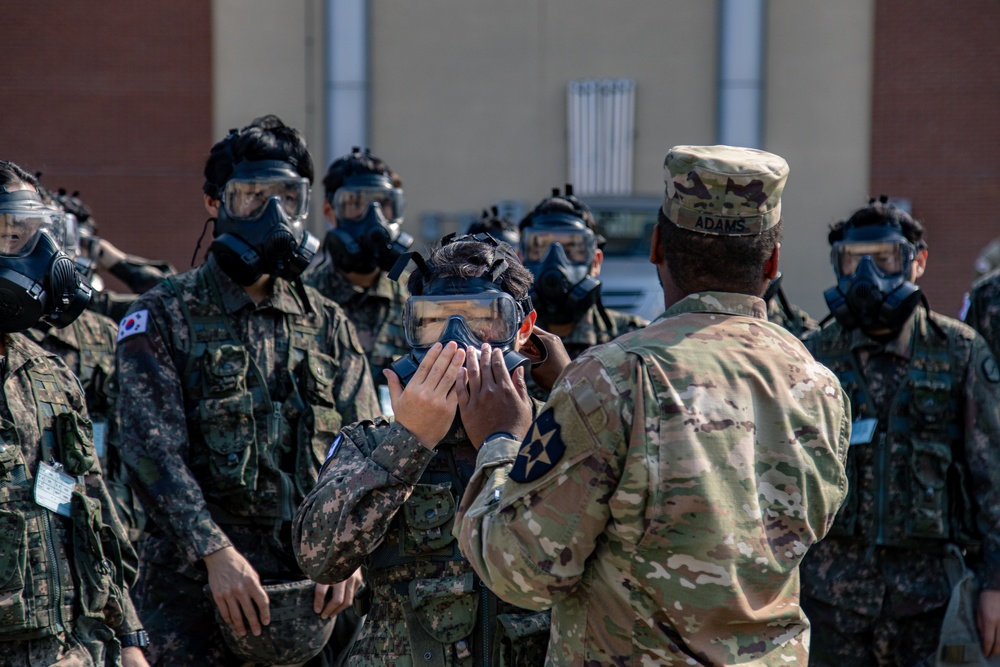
(366, 245)
(559, 250)
(37, 279)
(260, 226)
(873, 291)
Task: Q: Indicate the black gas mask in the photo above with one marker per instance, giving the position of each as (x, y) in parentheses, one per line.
(873, 290)
(365, 245)
(37, 279)
(260, 230)
(559, 249)
(468, 311)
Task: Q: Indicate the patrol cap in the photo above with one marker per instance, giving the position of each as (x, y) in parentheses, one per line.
(723, 190)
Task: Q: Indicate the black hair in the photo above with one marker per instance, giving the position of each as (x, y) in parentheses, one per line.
(880, 212)
(467, 257)
(265, 138)
(568, 204)
(11, 174)
(356, 163)
(491, 222)
(707, 262)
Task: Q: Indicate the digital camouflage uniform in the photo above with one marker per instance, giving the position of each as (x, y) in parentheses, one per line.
(591, 330)
(667, 493)
(376, 313)
(386, 501)
(87, 347)
(224, 427)
(988, 259)
(64, 582)
(876, 588)
(984, 309)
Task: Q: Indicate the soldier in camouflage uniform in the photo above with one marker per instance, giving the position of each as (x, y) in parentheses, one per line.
(353, 270)
(781, 311)
(67, 563)
(387, 496)
(662, 500)
(983, 313)
(561, 246)
(234, 379)
(924, 466)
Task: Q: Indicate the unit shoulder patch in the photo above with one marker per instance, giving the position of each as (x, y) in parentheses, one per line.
(541, 449)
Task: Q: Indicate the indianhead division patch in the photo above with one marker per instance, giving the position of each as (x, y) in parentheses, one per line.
(134, 323)
(541, 450)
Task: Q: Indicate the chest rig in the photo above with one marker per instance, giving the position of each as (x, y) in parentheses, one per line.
(42, 594)
(255, 451)
(907, 485)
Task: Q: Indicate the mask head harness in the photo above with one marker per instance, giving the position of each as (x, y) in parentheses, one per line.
(37, 279)
(872, 265)
(468, 311)
(369, 212)
(559, 248)
(262, 208)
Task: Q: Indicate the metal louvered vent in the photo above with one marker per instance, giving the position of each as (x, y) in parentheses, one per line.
(601, 135)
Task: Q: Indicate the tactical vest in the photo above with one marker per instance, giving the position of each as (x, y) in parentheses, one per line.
(451, 617)
(37, 586)
(920, 499)
(254, 455)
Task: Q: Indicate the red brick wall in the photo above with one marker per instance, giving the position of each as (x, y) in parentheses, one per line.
(114, 99)
(936, 129)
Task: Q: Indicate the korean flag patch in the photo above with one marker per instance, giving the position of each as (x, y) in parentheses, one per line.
(135, 323)
(541, 450)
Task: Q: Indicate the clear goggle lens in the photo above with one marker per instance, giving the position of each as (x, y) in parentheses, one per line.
(890, 257)
(492, 318)
(351, 203)
(578, 245)
(21, 227)
(246, 199)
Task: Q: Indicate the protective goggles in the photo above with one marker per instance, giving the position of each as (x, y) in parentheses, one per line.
(66, 231)
(350, 202)
(21, 225)
(491, 318)
(246, 198)
(578, 244)
(890, 257)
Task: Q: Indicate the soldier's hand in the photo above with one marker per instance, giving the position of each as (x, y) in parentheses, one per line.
(492, 400)
(555, 356)
(132, 656)
(426, 406)
(237, 591)
(988, 622)
(341, 596)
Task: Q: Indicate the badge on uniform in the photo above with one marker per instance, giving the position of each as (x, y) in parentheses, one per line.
(541, 450)
(135, 323)
(863, 430)
(54, 488)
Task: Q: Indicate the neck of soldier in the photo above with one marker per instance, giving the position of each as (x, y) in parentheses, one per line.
(363, 280)
(261, 289)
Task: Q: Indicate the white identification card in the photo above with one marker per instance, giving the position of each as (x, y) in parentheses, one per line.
(54, 488)
(384, 401)
(100, 433)
(863, 430)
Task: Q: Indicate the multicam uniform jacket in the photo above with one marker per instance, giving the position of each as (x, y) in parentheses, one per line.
(64, 575)
(665, 495)
(227, 408)
(927, 472)
(376, 313)
(386, 501)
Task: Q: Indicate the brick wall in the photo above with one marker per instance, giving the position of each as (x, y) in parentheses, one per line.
(936, 129)
(114, 99)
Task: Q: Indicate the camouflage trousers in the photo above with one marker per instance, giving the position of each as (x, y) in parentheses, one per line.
(62, 650)
(845, 638)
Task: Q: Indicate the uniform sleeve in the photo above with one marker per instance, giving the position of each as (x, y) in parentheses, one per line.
(982, 435)
(533, 511)
(154, 439)
(356, 398)
(364, 482)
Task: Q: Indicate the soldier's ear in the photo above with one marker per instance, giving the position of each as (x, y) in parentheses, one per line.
(771, 266)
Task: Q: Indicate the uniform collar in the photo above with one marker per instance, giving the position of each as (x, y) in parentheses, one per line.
(725, 303)
(41, 331)
(342, 290)
(900, 346)
(20, 351)
(234, 298)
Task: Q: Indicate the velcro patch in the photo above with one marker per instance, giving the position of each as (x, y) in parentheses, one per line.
(132, 324)
(541, 449)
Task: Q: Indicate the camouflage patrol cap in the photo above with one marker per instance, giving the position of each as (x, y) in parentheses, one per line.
(723, 190)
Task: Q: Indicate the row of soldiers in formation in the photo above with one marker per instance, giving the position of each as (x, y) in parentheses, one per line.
(235, 382)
